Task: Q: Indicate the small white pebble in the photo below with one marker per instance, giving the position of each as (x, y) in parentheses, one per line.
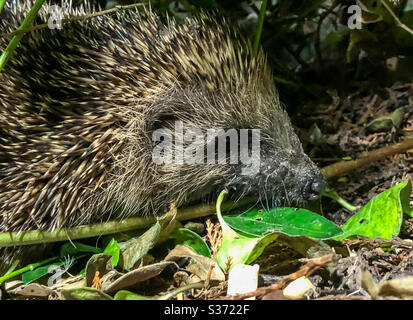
(297, 289)
(242, 279)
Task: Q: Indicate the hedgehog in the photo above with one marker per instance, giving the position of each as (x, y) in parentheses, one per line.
(79, 106)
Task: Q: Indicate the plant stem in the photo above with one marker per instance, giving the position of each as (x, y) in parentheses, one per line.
(332, 194)
(8, 239)
(14, 42)
(30, 267)
(260, 25)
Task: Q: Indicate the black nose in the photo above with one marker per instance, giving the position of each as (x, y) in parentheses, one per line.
(313, 188)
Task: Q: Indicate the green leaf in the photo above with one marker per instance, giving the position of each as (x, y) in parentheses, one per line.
(240, 248)
(83, 272)
(260, 228)
(127, 295)
(14, 273)
(136, 248)
(33, 275)
(333, 38)
(382, 216)
(73, 248)
(113, 248)
(101, 263)
(37, 273)
(397, 117)
(191, 239)
(386, 122)
(290, 221)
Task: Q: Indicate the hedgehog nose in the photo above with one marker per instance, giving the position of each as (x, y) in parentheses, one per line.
(313, 188)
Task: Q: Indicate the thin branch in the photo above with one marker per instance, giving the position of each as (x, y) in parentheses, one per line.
(74, 19)
(398, 22)
(344, 167)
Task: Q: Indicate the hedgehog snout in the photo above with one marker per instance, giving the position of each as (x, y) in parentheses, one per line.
(313, 188)
(295, 177)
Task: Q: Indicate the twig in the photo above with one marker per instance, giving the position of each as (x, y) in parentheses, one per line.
(398, 22)
(343, 167)
(73, 19)
(309, 268)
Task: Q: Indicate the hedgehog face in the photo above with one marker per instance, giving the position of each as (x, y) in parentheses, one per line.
(283, 179)
(206, 141)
